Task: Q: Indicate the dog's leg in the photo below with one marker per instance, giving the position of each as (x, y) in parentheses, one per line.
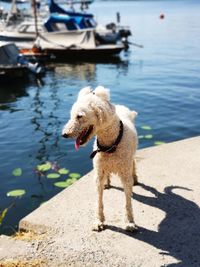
(98, 226)
(127, 184)
(135, 177)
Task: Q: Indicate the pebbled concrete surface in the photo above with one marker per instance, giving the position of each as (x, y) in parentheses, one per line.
(166, 208)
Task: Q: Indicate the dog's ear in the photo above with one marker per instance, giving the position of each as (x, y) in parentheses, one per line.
(102, 92)
(133, 114)
(84, 91)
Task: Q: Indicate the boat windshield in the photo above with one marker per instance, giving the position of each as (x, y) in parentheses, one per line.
(30, 28)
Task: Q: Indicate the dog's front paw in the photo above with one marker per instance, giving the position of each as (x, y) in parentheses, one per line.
(98, 226)
(131, 227)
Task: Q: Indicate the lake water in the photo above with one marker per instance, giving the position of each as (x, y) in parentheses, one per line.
(161, 82)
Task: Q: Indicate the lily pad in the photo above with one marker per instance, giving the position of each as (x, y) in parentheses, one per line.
(44, 167)
(148, 136)
(42, 203)
(62, 184)
(53, 175)
(157, 143)
(146, 127)
(141, 136)
(74, 175)
(70, 181)
(17, 172)
(16, 193)
(63, 171)
(2, 215)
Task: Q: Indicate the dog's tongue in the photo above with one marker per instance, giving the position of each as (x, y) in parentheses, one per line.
(78, 140)
(77, 144)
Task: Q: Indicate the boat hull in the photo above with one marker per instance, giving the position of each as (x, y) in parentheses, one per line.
(12, 72)
(85, 54)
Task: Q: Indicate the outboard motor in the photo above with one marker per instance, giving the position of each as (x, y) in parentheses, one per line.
(124, 34)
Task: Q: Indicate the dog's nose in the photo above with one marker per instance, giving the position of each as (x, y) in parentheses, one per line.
(65, 135)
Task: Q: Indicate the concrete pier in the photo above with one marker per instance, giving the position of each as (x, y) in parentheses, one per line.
(166, 209)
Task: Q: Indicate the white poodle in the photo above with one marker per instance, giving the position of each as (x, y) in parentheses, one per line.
(115, 145)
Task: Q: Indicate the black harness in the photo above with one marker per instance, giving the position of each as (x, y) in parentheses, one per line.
(109, 149)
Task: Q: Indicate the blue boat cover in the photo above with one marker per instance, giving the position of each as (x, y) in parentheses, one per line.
(55, 8)
(71, 23)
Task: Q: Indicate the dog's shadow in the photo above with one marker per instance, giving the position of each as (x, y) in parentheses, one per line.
(178, 233)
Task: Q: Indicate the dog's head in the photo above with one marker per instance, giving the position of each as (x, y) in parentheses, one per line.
(90, 113)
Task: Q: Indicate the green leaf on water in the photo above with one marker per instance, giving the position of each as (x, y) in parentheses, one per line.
(42, 203)
(70, 181)
(44, 167)
(141, 136)
(53, 175)
(62, 184)
(146, 127)
(16, 193)
(2, 215)
(148, 136)
(157, 143)
(17, 172)
(63, 171)
(74, 175)
(73, 179)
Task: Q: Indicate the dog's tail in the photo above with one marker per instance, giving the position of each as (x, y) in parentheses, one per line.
(126, 112)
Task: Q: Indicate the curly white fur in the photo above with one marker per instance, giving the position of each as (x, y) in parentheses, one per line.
(94, 114)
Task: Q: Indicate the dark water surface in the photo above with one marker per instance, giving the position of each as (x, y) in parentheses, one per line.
(160, 81)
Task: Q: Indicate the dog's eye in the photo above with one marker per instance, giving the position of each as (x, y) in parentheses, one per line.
(79, 116)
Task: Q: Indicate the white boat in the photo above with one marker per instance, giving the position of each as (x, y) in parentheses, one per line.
(21, 34)
(25, 31)
(77, 44)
